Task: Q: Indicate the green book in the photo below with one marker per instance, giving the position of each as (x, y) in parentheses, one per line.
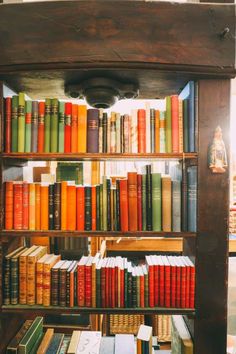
(30, 338)
(47, 125)
(156, 202)
(104, 203)
(98, 226)
(14, 123)
(13, 345)
(168, 125)
(54, 125)
(70, 171)
(144, 219)
(37, 343)
(21, 122)
(61, 127)
(28, 116)
(101, 206)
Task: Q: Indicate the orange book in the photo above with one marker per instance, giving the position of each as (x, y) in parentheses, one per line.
(82, 128)
(47, 266)
(9, 205)
(63, 205)
(44, 207)
(142, 130)
(94, 205)
(37, 206)
(39, 278)
(157, 131)
(80, 208)
(71, 211)
(25, 206)
(18, 201)
(133, 201)
(23, 274)
(32, 214)
(74, 128)
(124, 221)
(175, 123)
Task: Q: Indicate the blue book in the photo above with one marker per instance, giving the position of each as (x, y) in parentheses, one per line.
(188, 93)
(192, 198)
(55, 344)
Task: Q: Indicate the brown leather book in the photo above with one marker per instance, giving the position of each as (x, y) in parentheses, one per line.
(133, 201)
(47, 265)
(166, 203)
(23, 274)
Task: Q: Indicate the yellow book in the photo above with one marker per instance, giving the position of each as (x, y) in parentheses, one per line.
(95, 179)
(82, 128)
(32, 215)
(23, 274)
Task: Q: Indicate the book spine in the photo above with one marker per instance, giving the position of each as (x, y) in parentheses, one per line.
(98, 288)
(176, 206)
(101, 206)
(25, 206)
(98, 217)
(157, 131)
(100, 131)
(88, 208)
(28, 117)
(173, 286)
(178, 287)
(80, 200)
(166, 204)
(92, 130)
(63, 205)
(151, 285)
(82, 128)
(6, 282)
(7, 107)
(67, 132)
(18, 212)
(88, 286)
(139, 200)
(192, 198)
(134, 131)
(186, 124)
(103, 286)
(192, 288)
(94, 208)
(51, 207)
(118, 133)
(118, 226)
(196, 116)
(162, 132)
(181, 143)
(71, 211)
(61, 127)
(156, 285)
(31, 262)
(93, 285)
(55, 287)
(81, 286)
(146, 291)
(156, 201)
(162, 285)
(135, 292)
(191, 130)
(34, 126)
(14, 124)
(132, 201)
(113, 133)
(126, 133)
(130, 290)
(124, 220)
(142, 287)
(21, 123)
(39, 283)
(37, 207)
(108, 205)
(14, 281)
(47, 124)
(121, 133)
(167, 286)
(8, 205)
(125, 287)
(148, 128)
(183, 287)
(62, 287)
(54, 126)
(149, 197)
(168, 125)
(108, 134)
(44, 207)
(141, 131)
(104, 203)
(175, 123)
(41, 127)
(104, 134)
(74, 128)
(68, 285)
(57, 206)
(32, 206)
(152, 128)
(144, 219)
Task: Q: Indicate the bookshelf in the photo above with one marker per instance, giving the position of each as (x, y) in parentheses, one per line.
(154, 59)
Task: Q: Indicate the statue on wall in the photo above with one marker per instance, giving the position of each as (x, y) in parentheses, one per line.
(217, 158)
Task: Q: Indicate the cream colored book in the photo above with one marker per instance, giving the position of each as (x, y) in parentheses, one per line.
(72, 349)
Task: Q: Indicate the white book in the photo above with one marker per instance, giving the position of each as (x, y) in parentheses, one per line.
(89, 342)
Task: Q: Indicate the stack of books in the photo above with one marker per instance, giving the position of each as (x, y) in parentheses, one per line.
(31, 276)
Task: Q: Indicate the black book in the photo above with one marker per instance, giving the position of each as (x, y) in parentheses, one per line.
(118, 205)
(148, 197)
(104, 132)
(108, 205)
(134, 290)
(57, 206)
(98, 219)
(51, 207)
(88, 208)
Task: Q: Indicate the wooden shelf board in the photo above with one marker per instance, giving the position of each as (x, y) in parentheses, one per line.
(95, 156)
(58, 309)
(118, 234)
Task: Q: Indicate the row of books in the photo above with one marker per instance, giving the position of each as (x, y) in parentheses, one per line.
(31, 276)
(55, 126)
(140, 202)
(31, 338)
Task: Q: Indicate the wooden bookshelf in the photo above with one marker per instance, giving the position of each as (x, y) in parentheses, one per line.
(37, 59)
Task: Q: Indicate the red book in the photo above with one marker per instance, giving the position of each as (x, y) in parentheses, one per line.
(88, 282)
(103, 282)
(155, 260)
(192, 285)
(18, 205)
(81, 281)
(41, 126)
(74, 128)
(167, 281)
(150, 280)
(141, 290)
(25, 206)
(80, 208)
(139, 181)
(124, 205)
(175, 123)
(161, 283)
(71, 209)
(94, 210)
(67, 137)
(133, 201)
(173, 271)
(113, 301)
(107, 289)
(8, 124)
(183, 283)
(116, 281)
(121, 282)
(187, 292)
(178, 283)
(142, 130)
(9, 206)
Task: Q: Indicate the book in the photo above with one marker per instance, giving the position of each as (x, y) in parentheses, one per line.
(41, 127)
(175, 123)
(89, 342)
(124, 343)
(55, 344)
(82, 128)
(141, 131)
(14, 277)
(14, 123)
(71, 211)
(92, 130)
(144, 335)
(47, 338)
(166, 203)
(156, 202)
(57, 206)
(100, 131)
(18, 210)
(163, 132)
(34, 126)
(74, 342)
(176, 206)
(181, 339)
(148, 198)
(63, 282)
(14, 343)
(44, 204)
(88, 207)
(23, 274)
(192, 198)
(55, 282)
(7, 108)
(25, 206)
(61, 126)
(74, 128)
(132, 201)
(124, 205)
(67, 127)
(168, 126)
(47, 266)
(21, 122)
(54, 126)
(51, 207)
(28, 118)
(47, 125)
(40, 278)
(188, 93)
(30, 337)
(9, 205)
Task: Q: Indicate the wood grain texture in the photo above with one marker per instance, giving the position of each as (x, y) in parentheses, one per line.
(117, 31)
(213, 212)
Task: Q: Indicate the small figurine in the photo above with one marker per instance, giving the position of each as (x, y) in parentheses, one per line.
(217, 158)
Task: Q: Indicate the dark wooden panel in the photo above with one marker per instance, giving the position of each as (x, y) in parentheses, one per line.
(117, 32)
(213, 211)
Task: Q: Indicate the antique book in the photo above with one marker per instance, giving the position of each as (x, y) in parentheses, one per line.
(21, 122)
(35, 331)
(176, 206)
(157, 131)
(188, 93)
(144, 201)
(148, 198)
(100, 131)
(141, 131)
(132, 201)
(67, 130)
(186, 125)
(37, 206)
(113, 133)
(175, 123)
(9, 205)
(80, 216)
(74, 128)
(47, 338)
(144, 335)
(40, 278)
(81, 281)
(34, 126)
(104, 132)
(92, 130)
(71, 211)
(44, 215)
(14, 123)
(55, 344)
(166, 203)
(93, 207)
(124, 220)
(152, 130)
(63, 205)
(88, 207)
(47, 125)
(82, 128)
(57, 206)
(14, 343)
(51, 207)
(18, 209)
(23, 274)
(134, 131)
(62, 282)
(162, 131)
(47, 266)
(61, 126)
(14, 278)
(72, 349)
(148, 127)
(54, 126)
(32, 206)
(192, 198)
(28, 117)
(41, 127)
(118, 133)
(55, 282)
(156, 202)
(168, 126)
(7, 109)
(181, 142)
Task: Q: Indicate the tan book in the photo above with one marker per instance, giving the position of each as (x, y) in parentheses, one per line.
(166, 203)
(39, 278)
(31, 267)
(94, 263)
(45, 341)
(181, 142)
(72, 349)
(23, 274)
(47, 265)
